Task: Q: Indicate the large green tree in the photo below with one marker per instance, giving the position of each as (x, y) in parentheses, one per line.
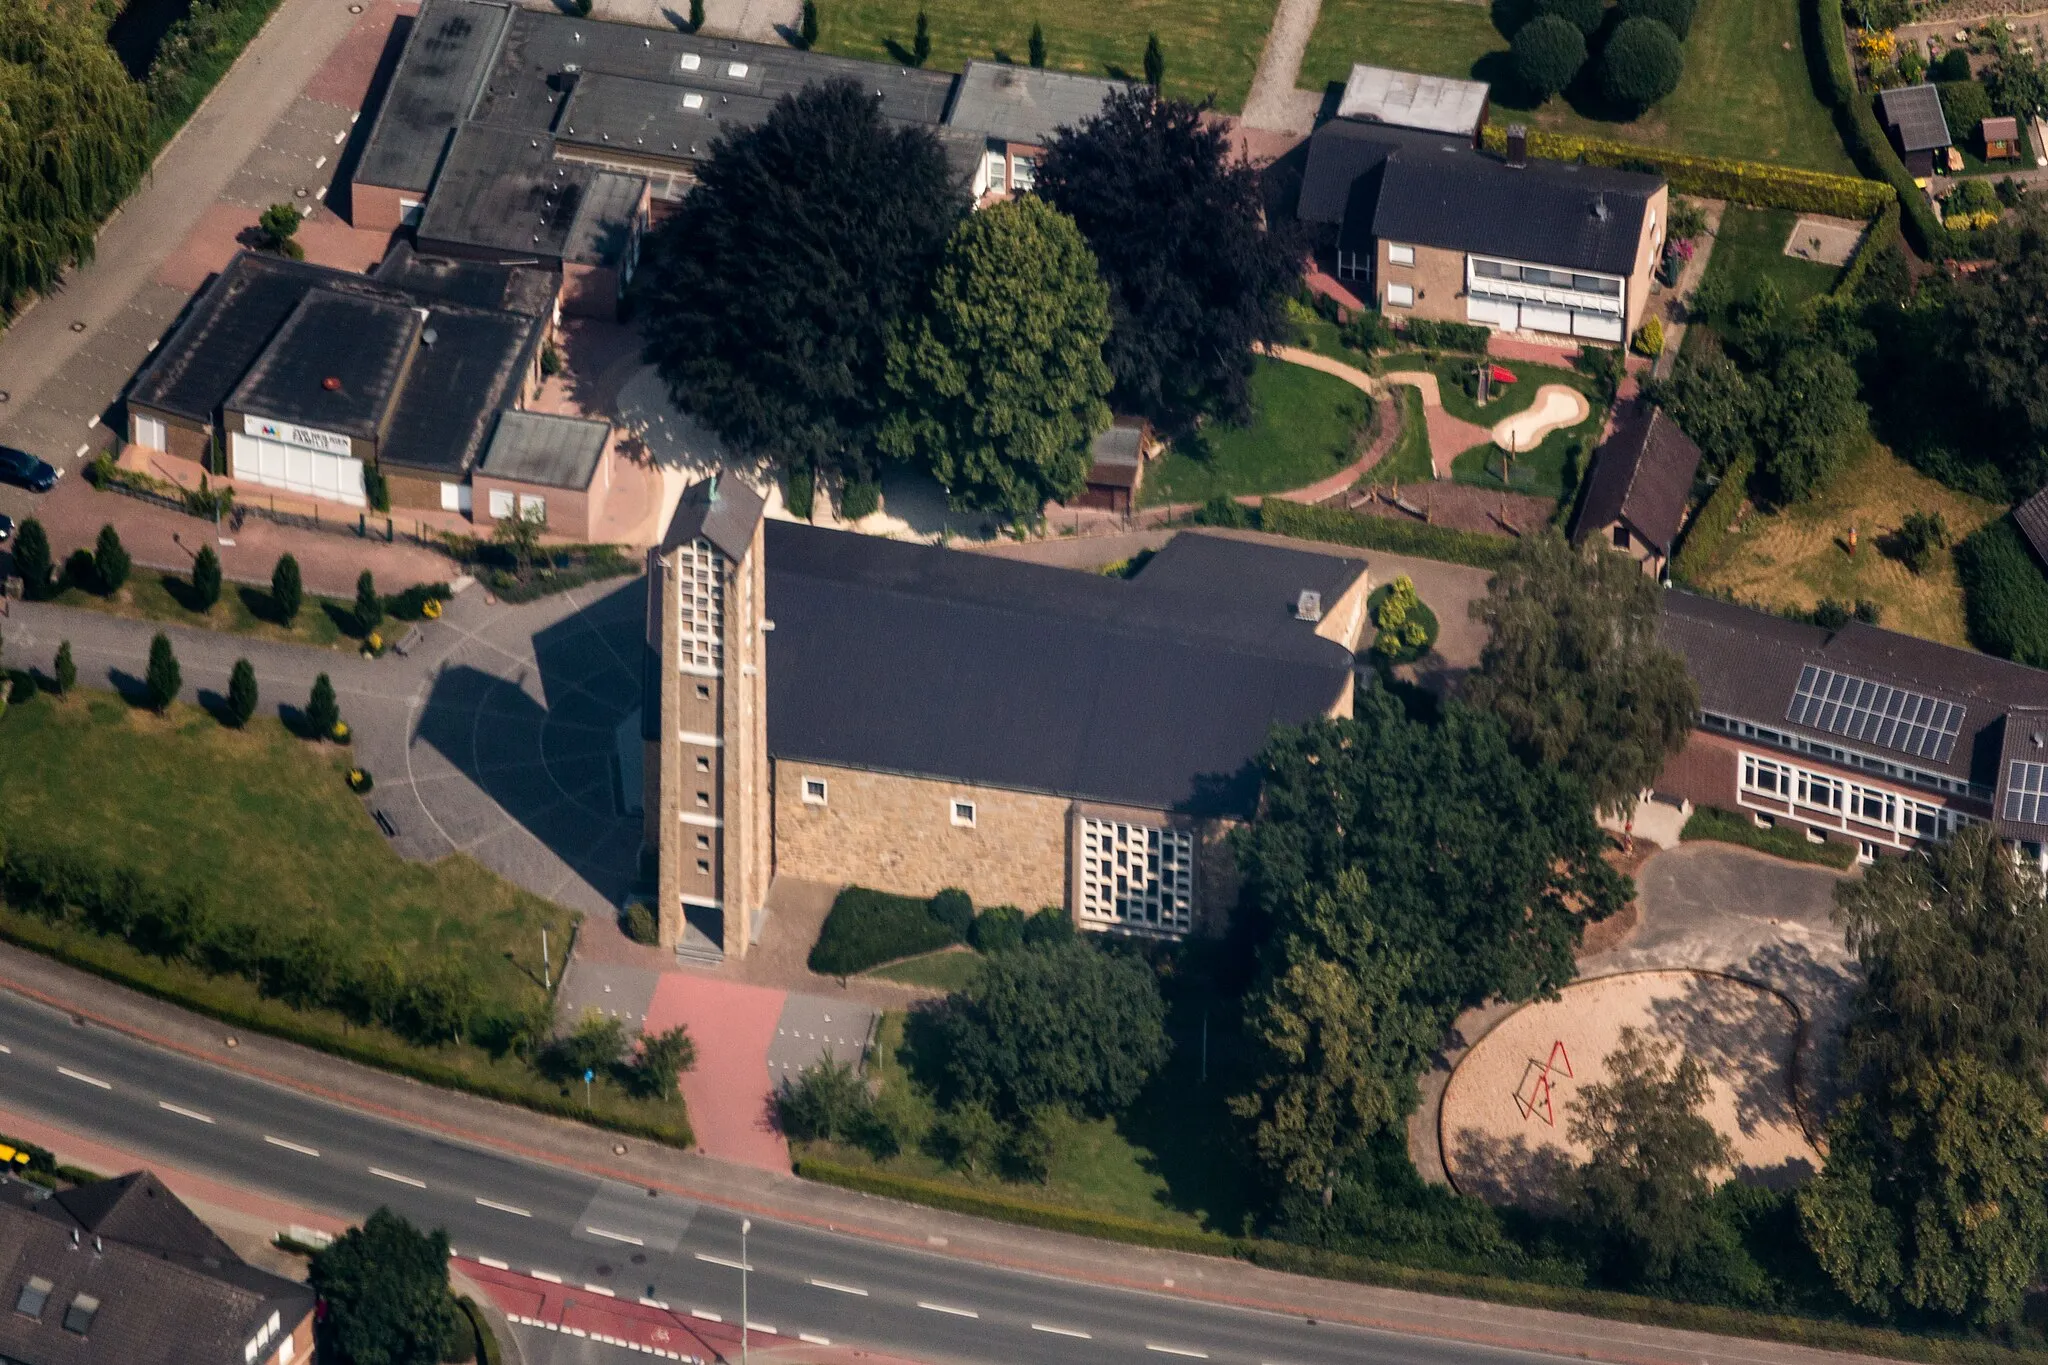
(1001, 380)
(1483, 868)
(1338, 1043)
(1196, 278)
(1066, 1024)
(385, 1285)
(770, 296)
(1953, 942)
(1995, 326)
(1645, 1185)
(1932, 1198)
(73, 129)
(1573, 665)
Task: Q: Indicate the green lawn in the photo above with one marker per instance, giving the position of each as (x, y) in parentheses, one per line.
(242, 610)
(1408, 461)
(1170, 1161)
(1305, 426)
(262, 825)
(1211, 46)
(1554, 468)
(1749, 247)
(1745, 92)
(950, 969)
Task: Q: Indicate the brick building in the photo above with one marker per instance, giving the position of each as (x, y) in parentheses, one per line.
(1858, 734)
(843, 708)
(122, 1272)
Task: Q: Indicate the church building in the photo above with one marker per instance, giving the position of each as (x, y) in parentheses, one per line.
(842, 708)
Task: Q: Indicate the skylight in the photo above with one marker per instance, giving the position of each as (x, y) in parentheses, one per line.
(2026, 793)
(1875, 713)
(34, 1295)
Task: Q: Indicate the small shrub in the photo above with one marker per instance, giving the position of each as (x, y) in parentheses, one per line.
(867, 928)
(206, 579)
(21, 685)
(550, 361)
(1447, 336)
(1676, 15)
(638, 923)
(33, 563)
(162, 679)
(696, 16)
(1223, 510)
(807, 30)
(954, 908)
(1028, 1149)
(860, 498)
(1605, 367)
(369, 606)
(360, 782)
(1641, 64)
(1965, 104)
(997, 929)
(1953, 66)
(80, 571)
(287, 593)
(1547, 53)
(1049, 926)
(968, 1137)
(67, 669)
(1832, 614)
(276, 229)
(1584, 15)
(323, 713)
(803, 489)
(828, 1102)
(418, 602)
(1649, 339)
(594, 1047)
(1920, 537)
(1368, 332)
(111, 562)
(241, 703)
(663, 1058)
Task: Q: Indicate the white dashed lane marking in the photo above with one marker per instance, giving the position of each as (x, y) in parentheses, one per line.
(301, 1149)
(182, 1112)
(1060, 1331)
(942, 1308)
(838, 1288)
(512, 1209)
(383, 1174)
(81, 1076)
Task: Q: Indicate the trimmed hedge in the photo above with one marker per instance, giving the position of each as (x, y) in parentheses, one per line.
(1712, 177)
(2005, 594)
(1305, 522)
(1304, 1260)
(1447, 336)
(1827, 47)
(867, 928)
(1727, 827)
(1703, 539)
(1876, 238)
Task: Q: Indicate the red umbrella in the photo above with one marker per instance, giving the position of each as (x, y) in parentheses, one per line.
(1503, 375)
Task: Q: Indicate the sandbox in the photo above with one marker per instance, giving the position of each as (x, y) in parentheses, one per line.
(1557, 406)
(1507, 1109)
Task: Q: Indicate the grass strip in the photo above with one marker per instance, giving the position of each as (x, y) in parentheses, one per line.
(1727, 827)
(1336, 526)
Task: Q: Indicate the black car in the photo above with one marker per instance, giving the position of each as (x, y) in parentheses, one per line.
(6, 528)
(20, 467)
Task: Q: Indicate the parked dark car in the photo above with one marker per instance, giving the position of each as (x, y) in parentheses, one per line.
(20, 467)
(6, 528)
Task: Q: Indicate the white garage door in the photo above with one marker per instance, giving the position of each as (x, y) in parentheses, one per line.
(1598, 326)
(337, 478)
(1538, 318)
(151, 433)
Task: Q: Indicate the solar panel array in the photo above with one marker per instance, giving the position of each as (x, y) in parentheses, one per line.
(1875, 713)
(2026, 793)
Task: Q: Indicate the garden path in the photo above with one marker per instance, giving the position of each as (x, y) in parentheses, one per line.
(1274, 104)
(1449, 436)
(1672, 304)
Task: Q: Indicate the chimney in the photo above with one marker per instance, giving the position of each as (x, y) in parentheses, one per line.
(1518, 145)
(1308, 606)
(1600, 207)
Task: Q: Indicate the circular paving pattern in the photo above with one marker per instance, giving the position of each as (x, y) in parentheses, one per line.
(1507, 1110)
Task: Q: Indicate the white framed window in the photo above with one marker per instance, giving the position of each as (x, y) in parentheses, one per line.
(1400, 255)
(998, 172)
(533, 507)
(1401, 295)
(963, 814)
(1023, 174)
(151, 433)
(502, 504)
(815, 792)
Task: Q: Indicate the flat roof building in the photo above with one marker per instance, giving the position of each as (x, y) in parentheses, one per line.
(546, 467)
(1408, 99)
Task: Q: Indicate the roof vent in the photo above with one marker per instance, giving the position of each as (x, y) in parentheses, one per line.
(693, 101)
(736, 70)
(1518, 145)
(1600, 207)
(691, 61)
(331, 384)
(1308, 606)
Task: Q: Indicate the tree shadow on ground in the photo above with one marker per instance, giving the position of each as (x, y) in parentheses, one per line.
(1509, 1170)
(1745, 1036)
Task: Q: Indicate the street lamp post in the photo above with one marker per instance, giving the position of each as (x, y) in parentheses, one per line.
(746, 1226)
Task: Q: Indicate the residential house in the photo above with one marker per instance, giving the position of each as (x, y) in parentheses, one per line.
(1912, 118)
(1640, 483)
(1018, 109)
(919, 718)
(1858, 734)
(121, 1273)
(1430, 227)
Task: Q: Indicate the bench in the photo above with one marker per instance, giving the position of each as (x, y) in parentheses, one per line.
(409, 642)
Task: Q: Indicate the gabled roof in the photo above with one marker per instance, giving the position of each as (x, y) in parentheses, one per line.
(1340, 152)
(1642, 475)
(1914, 111)
(2032, 519)
(175, 1295)
(1026, 104)
(1750, 664)
(1156, 692)
(1545, 212)
(1408, 99)
(2005, 129)
(723, 510)
(2021, 811)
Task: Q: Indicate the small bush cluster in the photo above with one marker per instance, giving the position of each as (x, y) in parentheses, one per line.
(867, 928)
(553, 568)
(2005, 594)
(1431, 335)
(1709, 529)
(1635, 61)
(1338, 527)
(1727, 827)
(599, 1048)
(1406, 628)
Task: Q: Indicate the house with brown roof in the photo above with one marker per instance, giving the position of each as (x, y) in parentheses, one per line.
(1641, 482)
(122, 1273)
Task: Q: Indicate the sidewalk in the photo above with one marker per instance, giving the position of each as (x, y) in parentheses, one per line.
(761, 1194)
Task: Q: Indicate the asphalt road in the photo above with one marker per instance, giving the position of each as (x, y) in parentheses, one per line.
(636, 1243)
